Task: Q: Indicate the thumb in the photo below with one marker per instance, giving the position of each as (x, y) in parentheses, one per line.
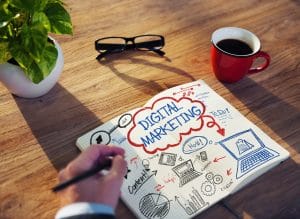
(118, 169)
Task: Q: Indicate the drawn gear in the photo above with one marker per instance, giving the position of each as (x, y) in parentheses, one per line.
(218, 179)
(208, 188)
(209, 176)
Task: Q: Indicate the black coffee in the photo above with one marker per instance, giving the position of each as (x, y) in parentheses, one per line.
(235, 47)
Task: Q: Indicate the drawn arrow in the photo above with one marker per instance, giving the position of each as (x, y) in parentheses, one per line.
(213, 123)
(221, 131)
(229, 172)
(128, 171)
(154, 172)
(217, 159)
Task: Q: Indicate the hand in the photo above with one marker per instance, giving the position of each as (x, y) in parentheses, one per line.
(103, 189)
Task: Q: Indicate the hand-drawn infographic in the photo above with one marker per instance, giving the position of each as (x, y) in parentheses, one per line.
(186, 149)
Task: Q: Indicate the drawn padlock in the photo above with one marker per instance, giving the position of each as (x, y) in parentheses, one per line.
(208, 187)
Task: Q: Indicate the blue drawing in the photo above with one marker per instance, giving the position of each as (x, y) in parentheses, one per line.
(249, 151)
(243, 145)
(194, 143)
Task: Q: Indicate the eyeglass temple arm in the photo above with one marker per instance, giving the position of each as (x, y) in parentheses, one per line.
(159, 52)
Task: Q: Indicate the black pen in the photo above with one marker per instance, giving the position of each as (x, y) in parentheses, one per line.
(104, 165)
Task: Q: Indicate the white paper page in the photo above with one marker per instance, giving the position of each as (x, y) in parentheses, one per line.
(186, 149)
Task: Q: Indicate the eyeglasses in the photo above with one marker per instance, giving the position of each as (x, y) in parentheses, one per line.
(118, 44)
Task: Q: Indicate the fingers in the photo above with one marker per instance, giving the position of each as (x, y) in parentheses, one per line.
(91, 157)
(118, 169)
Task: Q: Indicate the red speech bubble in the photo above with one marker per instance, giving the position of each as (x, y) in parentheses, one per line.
(163, 124)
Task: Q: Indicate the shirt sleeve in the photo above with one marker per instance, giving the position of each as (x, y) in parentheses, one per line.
(80, 208)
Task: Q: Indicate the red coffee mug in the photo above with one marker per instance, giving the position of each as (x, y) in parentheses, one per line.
(230, 60)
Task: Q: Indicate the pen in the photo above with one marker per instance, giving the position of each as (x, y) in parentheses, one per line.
(104, 165)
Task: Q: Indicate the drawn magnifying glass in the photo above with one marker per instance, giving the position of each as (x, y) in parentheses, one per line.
(104, 137)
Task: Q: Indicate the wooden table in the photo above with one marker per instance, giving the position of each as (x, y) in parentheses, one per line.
(38, 135)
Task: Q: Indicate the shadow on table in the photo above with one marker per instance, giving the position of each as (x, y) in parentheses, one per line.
(275, 194)
(56, 120)
(138, 58)
(270, 109)
(279, 187)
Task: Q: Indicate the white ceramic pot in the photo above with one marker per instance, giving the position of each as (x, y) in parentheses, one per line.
(16, 82)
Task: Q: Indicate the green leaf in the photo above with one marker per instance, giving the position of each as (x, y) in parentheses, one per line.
(40, 18)
(3, 23)
(35, 71)
(20, 54)
(34, 39)
(59, 18)
(30, 5)
(48, 59)
(6, 15)
(4, 52)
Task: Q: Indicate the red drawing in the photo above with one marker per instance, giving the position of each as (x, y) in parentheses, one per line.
(187, 91)
(229, 172)
(172, 180)
(213, 123)
(159, 187)
(217, 159)
(134, 160)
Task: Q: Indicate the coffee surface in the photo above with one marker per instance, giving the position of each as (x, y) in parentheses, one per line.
(235, 47)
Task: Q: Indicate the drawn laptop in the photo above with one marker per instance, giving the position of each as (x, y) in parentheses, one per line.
(248, 149)
(186, 172)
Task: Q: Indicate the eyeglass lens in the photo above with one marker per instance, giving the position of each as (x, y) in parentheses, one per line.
(113, 44)
(150, 42)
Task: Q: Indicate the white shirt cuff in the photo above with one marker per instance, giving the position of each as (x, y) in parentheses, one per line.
(80, 208)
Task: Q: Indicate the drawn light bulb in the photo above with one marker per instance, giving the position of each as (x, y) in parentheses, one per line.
(146, 164)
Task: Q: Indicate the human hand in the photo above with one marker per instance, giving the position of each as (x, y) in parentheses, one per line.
(104, 189)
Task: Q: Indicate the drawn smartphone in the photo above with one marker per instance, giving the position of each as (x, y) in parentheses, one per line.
(203, 156)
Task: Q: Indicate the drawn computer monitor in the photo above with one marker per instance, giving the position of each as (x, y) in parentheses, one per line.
(249, 151)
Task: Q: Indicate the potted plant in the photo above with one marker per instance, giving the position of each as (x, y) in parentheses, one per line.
(30, 60)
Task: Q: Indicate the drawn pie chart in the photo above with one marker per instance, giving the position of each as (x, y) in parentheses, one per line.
(154, 206)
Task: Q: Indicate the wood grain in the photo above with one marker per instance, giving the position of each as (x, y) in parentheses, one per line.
(37, 137)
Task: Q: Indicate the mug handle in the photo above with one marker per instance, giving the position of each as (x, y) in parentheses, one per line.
(264, 65)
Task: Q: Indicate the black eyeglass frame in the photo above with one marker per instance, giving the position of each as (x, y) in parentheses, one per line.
(133, 45)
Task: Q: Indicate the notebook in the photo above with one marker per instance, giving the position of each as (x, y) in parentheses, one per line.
(187, 148)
